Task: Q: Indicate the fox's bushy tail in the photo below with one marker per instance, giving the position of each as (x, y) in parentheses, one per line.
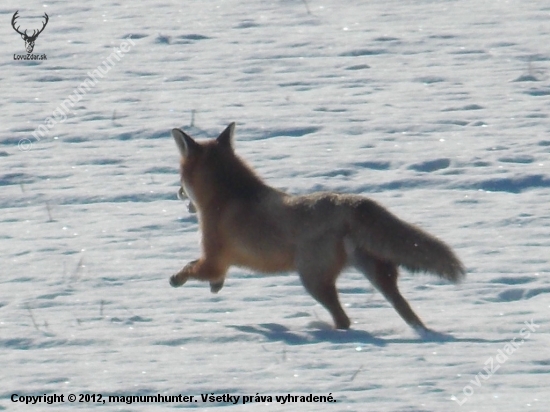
(387, 237)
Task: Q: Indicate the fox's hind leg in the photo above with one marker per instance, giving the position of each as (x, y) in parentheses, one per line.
(326, 294)
(319, 268)
(383, 275)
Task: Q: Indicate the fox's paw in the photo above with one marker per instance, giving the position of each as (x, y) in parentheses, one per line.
(177, 280)
(342, 322)
(215, 287)
(181, 277)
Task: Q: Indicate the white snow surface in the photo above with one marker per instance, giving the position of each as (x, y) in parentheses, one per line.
(438, 110)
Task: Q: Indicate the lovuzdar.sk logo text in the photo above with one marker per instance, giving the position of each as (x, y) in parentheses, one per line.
(29, 39)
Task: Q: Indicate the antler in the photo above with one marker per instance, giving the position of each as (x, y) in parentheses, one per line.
(34, 33)
(15, 16)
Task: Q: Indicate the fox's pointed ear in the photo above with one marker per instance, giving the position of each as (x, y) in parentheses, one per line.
(186, 144)
(226, 137)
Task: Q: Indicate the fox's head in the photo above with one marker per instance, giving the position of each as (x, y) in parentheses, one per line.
(211, 172)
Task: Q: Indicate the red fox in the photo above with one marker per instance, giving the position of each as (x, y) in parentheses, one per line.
(246, 223)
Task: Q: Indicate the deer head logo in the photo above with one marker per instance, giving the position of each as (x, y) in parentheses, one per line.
(29, 40)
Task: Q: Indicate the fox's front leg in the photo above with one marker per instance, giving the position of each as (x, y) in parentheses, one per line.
(200, 269)
(216, 286)
(181, 277)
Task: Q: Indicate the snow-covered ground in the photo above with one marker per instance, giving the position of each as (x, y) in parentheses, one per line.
(437, 109)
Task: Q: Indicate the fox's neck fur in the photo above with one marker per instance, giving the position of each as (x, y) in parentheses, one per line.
(235, 178)
(226, 177)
